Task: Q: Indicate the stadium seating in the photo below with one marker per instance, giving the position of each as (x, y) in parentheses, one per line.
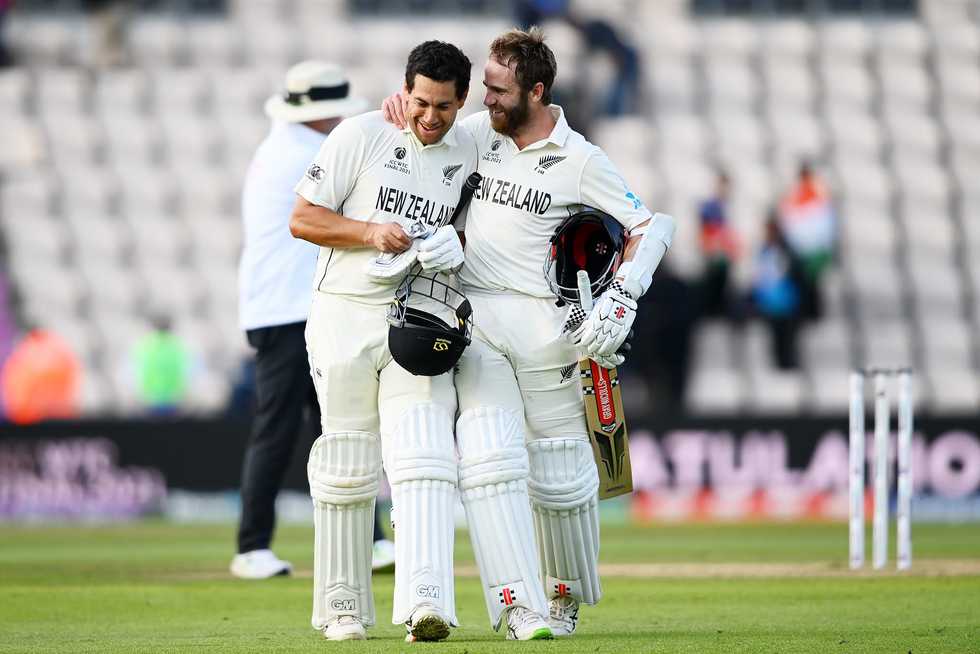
(129, 178)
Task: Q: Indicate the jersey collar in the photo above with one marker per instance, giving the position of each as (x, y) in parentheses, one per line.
(449, 138)
(561, 131)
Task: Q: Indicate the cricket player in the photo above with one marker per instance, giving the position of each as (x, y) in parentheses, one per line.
(522, 431)
(368, 180)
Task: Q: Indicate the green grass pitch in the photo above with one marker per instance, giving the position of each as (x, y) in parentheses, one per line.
(154, 587)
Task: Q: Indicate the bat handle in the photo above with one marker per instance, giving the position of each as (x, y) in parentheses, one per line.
(584, 290)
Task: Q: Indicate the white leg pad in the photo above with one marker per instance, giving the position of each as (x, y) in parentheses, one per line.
(344, 470)
(420, 458)
(493, 470)
(563, 486)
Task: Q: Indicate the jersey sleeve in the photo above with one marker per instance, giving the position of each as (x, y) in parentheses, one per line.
(330, 178)
(604, 188)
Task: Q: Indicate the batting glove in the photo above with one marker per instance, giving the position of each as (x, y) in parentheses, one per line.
(442, 251)
(575, 317)
(609, 324)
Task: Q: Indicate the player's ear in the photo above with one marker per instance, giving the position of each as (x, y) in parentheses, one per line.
(462, 99)
(537, 92)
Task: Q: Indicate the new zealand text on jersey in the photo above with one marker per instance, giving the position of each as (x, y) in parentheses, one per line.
(508, 194)
(414, 207)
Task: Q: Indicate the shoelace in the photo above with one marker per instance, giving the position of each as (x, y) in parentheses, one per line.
(523, 616)
(565, 610)
(346, 619)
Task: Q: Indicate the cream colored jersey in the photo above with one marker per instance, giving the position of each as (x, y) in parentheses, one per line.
(526, 194)
(371, 171)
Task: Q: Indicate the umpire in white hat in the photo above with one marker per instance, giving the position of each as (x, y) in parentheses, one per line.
(274, 303)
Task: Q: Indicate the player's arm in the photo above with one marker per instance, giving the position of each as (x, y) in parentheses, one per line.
(324, 188)
(611, 320)
(328, 228)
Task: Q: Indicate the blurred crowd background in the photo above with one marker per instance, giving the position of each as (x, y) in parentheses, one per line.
(822, 158)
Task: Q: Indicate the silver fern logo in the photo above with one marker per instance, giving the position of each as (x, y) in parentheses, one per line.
(449, 172)
(567, 372)
(548, 161)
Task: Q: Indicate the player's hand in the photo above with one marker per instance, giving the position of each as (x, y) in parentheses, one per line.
(387, 237)
(442, 251)
(609, 323)
(612, 361)
(394, 108)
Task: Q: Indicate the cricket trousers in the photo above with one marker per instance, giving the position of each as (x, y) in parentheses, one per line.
(286, 411)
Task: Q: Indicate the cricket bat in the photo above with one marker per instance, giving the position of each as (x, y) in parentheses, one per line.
(604, 415)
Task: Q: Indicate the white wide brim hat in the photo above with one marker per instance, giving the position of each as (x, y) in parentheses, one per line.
(315, 90)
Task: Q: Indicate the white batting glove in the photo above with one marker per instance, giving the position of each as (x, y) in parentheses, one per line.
(609, 324)
(442, 251)
(575, 317)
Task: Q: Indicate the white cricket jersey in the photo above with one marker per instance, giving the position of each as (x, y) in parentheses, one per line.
(275, 269)
(372, 171)
(526, 194)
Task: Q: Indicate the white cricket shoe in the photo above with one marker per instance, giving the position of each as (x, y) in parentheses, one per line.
(525, 624)
(346, 627)
(426, 625)
(259, 564)
(563, 615)
(382, 555)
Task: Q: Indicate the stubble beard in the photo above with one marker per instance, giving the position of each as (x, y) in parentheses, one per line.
(514, 119)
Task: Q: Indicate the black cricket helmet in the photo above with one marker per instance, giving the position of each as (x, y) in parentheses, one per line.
(430, 323)
(589, 240)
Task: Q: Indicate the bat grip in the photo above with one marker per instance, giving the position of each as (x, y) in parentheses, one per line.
(465, 195)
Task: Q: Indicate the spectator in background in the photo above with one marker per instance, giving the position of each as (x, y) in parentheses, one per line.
(806, 217)
(40, 379)
(274, 304)
(107, 25)
(719, 247)
(776, 294)
(163, 367)
(6, 58)
(599, 36)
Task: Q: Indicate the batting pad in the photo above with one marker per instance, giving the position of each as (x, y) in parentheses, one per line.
(344, 471)
(563, 487)
(420, 458)
(492, 472)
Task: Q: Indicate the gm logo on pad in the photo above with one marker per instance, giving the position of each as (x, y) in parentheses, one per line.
(344, 605)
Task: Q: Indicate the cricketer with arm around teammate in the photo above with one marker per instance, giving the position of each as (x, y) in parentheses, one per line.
(533, 514)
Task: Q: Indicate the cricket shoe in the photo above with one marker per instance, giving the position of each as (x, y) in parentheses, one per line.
(383, 556)
(525, 624)
(346, 627)
(259, 564)
(563, 615)
(426, 625)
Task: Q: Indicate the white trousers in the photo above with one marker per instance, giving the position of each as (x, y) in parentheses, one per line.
(518, 383)
(363, 393)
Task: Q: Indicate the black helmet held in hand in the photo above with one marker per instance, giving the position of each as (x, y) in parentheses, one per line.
(430, 323)
(589, 240)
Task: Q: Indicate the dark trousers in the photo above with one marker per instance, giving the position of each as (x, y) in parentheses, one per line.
(284, 399)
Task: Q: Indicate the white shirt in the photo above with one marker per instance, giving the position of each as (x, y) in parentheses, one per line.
(275, 270)
(372, 171)
(526, 194)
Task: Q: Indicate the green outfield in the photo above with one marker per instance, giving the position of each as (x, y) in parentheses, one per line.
(158, 588)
